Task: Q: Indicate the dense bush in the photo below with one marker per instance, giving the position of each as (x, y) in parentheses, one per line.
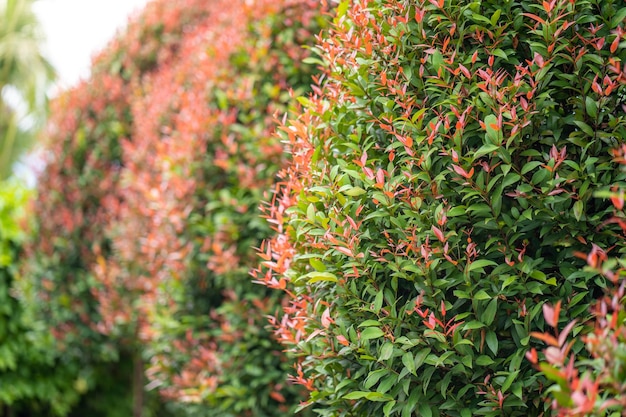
(147, 215)
(441, 187)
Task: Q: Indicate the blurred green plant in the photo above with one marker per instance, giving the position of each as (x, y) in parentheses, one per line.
(25, 76)
(33, 381)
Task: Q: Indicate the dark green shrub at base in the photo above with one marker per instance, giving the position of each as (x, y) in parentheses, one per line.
(33, 380)
(443, 180)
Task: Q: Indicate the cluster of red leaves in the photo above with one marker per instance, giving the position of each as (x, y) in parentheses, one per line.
(172, 122)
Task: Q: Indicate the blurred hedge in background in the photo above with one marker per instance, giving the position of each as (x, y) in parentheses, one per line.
(147, 215)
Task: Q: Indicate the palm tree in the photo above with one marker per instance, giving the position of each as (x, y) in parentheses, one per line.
(24, 78)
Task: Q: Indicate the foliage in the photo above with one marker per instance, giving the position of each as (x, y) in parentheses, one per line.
(592, 384)
(442, 183)
(32, 379)
(24, 76)
(147, 216)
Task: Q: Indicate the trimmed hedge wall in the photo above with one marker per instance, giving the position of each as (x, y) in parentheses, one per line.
(441, 193)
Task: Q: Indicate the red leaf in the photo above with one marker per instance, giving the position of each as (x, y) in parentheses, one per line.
(551, 314)
(617, 199)
(380, 176)
(341, 339)
(438, 233)
(277, 396)
(419, 15)
(546, 337)
(474, 57)
(326, 319)
(531, 355)
(343, 250)
(462, 172)
(548, 6)
(615, 44)
(535, 17)
(465, 71)
(566, 331)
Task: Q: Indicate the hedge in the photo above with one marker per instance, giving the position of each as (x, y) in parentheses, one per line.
(452, 166)
(147, 215)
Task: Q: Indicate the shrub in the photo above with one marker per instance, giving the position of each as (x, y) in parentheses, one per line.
(158, 162)
(32, 380)
(442, 182)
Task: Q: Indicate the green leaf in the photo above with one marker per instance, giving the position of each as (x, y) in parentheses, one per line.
(578, 210)
(540, 276)
(591, 106)
(467, 361)
(585, 127)
(494, 134)
(374, 376)
(409, 362)
(378, 301)
(481, 295)
(484, 360)
(481, 263)
(492, 342)
(317, 264)
(389, 407)
(310, 213)
(355, 191)
(317, 276)
(342, 8)
(355, 395)
(425, 410)
(386, 351)
(437, 60)
(509, 380)
(490, 312)
(474, 324)
(495, 16)
(485, 150)
(618, 18)
(387, 383)
(421, 357)
(378, 397)
(371, 333)
(529, 166)
(500, 53)
(370, 323)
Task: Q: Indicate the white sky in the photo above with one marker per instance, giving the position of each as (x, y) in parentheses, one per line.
(77, 29)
